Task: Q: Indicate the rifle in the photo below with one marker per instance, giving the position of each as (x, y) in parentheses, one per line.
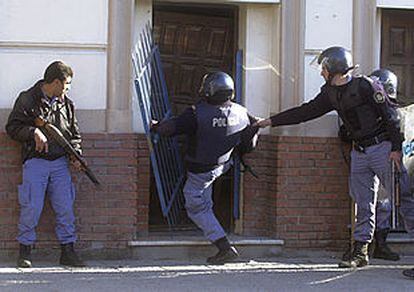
(53, 132)
(395, 195)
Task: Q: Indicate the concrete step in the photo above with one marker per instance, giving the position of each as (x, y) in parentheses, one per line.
(401, 243)
(190, 247)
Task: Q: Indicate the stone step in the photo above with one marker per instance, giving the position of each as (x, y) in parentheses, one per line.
(187, 248)
(401, 243)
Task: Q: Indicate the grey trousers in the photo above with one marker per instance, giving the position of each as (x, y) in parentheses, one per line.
(364, 167)
(199, 202)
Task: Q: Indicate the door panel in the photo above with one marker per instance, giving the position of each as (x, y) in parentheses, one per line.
(397, 48)
(192, 43)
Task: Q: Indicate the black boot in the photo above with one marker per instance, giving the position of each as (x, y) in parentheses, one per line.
(226, 253)
(25, 259)
(382, 250)
(409, 273)
(359, 256)
(69, 257)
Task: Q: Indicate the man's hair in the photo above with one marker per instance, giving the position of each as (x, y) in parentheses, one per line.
(57, 70)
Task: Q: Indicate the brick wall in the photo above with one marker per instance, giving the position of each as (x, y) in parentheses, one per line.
(106, 218)
(302, 193)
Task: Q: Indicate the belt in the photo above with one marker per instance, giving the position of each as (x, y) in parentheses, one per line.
(361, 145)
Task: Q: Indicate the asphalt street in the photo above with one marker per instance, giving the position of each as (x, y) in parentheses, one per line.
(272, 274)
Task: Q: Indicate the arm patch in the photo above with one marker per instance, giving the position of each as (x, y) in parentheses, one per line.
(379, 97)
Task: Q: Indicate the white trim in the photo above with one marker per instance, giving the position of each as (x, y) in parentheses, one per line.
(52, 45)
(226, 1)
(398, 4)
(202, 242)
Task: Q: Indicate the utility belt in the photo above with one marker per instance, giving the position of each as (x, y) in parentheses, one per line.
(364, 143)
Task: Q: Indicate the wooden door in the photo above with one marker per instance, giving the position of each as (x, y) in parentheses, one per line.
(397, 48)
(192, 42)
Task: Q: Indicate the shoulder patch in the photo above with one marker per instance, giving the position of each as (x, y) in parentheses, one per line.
(379, 97)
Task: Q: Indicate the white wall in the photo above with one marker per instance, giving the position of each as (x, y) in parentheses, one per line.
(261, 69)
(35, 33)
(400, 4)
(328, 23)
(143, 15)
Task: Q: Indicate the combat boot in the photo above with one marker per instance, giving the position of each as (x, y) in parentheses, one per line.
(25, 259)
(382, 250)
(68, 257)
(359, 256)
(226, 253)
(223, 256)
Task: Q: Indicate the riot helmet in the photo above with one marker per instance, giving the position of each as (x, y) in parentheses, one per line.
(217, 87)
(388, 80)
(336, 60)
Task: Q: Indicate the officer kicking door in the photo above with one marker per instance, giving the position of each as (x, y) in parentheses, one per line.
(194, 40)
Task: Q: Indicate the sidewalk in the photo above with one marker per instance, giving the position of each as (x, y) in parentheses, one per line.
(265, 274)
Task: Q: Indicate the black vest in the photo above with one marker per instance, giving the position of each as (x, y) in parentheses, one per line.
(360, 114)
(218, 131)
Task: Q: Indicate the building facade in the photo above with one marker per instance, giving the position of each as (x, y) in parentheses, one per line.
(301, 195)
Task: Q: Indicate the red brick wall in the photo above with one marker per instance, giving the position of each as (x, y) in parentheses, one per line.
(106, 218)
(302, 193)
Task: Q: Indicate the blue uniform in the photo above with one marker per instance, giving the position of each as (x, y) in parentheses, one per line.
(362, 107)
(213, 131)
(51, 177)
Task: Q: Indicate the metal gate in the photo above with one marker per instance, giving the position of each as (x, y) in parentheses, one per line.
(154, 104)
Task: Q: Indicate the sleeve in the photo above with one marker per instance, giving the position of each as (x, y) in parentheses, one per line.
(249, 136)
(185, 123)
(376, 94)
(76, 138)
(20, 124)
(313, 109)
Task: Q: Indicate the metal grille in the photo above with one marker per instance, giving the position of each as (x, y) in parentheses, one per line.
(154, 104)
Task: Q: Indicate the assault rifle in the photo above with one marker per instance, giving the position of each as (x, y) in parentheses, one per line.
(53, 132)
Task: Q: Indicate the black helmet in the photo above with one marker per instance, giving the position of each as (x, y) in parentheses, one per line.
(217, 87)
(388, 80)
(336, 60)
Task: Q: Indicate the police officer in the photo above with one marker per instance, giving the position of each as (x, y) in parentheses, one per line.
(361, 105)
(381, 250)
(45, 164)
(384, 203)
(214, 126)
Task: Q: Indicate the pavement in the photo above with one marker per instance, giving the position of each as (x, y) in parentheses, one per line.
(262, 274)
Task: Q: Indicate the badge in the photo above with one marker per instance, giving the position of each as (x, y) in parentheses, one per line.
(379, 97)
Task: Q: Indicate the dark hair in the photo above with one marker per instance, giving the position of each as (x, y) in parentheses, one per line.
(57, 70)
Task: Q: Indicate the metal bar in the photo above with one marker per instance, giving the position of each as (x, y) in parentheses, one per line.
(236, 167)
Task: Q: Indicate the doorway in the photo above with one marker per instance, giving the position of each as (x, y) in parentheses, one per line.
(194, 40)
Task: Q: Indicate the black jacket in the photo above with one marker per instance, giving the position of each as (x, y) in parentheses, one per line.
(31, 104)
(365, 118)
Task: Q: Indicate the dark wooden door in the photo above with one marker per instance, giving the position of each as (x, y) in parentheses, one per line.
(194, 40)
(397, 48)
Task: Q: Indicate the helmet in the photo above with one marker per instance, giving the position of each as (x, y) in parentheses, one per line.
(336, 60)
(217, 87)
(388, 80)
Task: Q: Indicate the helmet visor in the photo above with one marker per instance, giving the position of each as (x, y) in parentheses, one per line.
(315, 64)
